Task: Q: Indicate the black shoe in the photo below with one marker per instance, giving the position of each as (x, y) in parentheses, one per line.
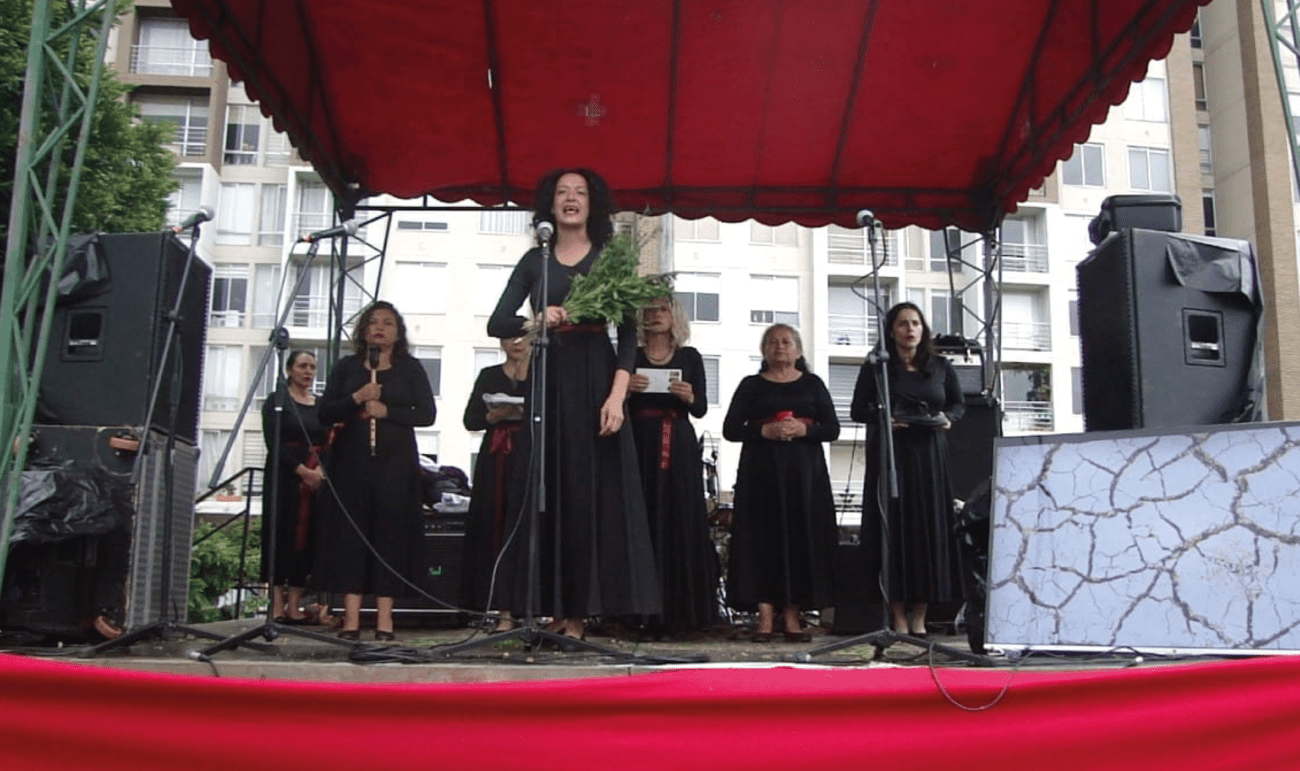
(349, 634)
(382, 636)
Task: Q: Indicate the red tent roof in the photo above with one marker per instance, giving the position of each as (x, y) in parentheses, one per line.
(929, 112)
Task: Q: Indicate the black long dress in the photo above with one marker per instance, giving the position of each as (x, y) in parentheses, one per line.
(672, 477)
(500, 476)
(923, 553)
(594, 550)
(783, 533)
(301, 438)
(381, 493)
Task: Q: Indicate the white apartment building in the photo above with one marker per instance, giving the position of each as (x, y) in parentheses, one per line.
(444, 269)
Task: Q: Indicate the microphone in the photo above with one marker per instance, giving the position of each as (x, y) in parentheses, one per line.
(545, 230)
(202, 214)
(866, 217)
(342, 229)
(374, 377)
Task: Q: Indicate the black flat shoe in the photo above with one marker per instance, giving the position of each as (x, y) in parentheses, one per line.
(382, 636)
(349, 634)
(798, 637)
(761, 637)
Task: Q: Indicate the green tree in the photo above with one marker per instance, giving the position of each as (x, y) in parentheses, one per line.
(128, 171)
(215, 568)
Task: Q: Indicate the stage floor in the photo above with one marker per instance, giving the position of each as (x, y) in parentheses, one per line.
(420, 654)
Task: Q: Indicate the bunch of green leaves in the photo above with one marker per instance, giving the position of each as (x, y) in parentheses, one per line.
(613, 291)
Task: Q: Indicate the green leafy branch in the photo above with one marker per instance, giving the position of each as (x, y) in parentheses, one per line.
(613, 291)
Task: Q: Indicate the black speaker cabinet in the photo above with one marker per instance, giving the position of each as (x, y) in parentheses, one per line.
(970, 445)
(1156, 352)
(444, 537)
(105, 349)
(62, 586)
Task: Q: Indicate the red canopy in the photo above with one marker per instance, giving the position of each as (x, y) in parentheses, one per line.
(929, 112)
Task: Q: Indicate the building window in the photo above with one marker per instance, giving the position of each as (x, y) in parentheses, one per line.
(430, 357)
(1198, 85)
(186, 199)
(1195, 33)
(1076, 390)
(243, 130)
(698, 294)
(848, 320)
(703, 229)
(1147, 101)
(188, 117)
(229, 296)
(487, 357)
(505, 222)
(278, 150)
(266, 294)
(1207, 205)
(1025, 324)
(314, 210)
(1087, 167)
(166, 47)
(1148, 169)
(310, 308)
(1207, 156)
(1023, 250)
(418, 287)
(774, 300)
(223, 378)
(938, 307)
(433, 226)
(779, 235)
(489, 283)
(840, 381)
(427, 443)
(275, 199)
(1074, 318)
(945, 249)
(212, 443)
(711, 379)
(235, 214)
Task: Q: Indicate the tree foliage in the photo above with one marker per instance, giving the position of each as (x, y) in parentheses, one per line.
(216, 568)
(127, 172)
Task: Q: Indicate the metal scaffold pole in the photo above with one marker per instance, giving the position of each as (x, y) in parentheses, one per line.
(1285, 34)
(57, 108)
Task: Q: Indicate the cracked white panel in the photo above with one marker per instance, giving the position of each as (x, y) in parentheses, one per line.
(1130, 539)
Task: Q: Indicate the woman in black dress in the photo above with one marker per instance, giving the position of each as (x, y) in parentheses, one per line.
(595, 555)
(297, 478)
(672, 474)
(500, 474)
(374, 469)
(783, 531)
(925, 399)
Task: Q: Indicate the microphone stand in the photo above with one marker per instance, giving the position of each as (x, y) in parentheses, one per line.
(884, 637)
(528, 631)
(270, 628)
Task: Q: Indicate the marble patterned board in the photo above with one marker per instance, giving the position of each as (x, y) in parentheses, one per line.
(1183, 539)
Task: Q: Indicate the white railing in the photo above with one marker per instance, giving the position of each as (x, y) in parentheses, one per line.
(852, 249)
(226, 319)
(189, 61)
(849, 329)
(190, 140)
(215, 403)
(1027, 417)
(311, 311)
(1024, 258)
(1027, 335)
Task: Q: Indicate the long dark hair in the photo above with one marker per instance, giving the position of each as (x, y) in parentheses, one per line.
(400, 348)
(924, 358)
(600, 228)
(292, 358)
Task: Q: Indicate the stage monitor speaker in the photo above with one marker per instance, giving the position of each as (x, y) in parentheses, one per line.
(444, 536)
(105, 347)
(1155, 351)
(970, 445)
(62, 586)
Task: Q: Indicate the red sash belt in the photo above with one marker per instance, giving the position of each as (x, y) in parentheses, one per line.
(570, 327)
(500, 447)
(665, 431)
(305, 494)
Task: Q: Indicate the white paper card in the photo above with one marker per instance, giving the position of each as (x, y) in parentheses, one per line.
(659, 379)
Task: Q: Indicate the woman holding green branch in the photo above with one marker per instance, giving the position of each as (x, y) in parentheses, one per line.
(594, 555)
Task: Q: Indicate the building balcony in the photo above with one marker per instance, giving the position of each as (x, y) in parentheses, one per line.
(185, 61)
(852, 249)
(1027, 335)
(851, 330)
(1024, 258)
(1027, 417)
